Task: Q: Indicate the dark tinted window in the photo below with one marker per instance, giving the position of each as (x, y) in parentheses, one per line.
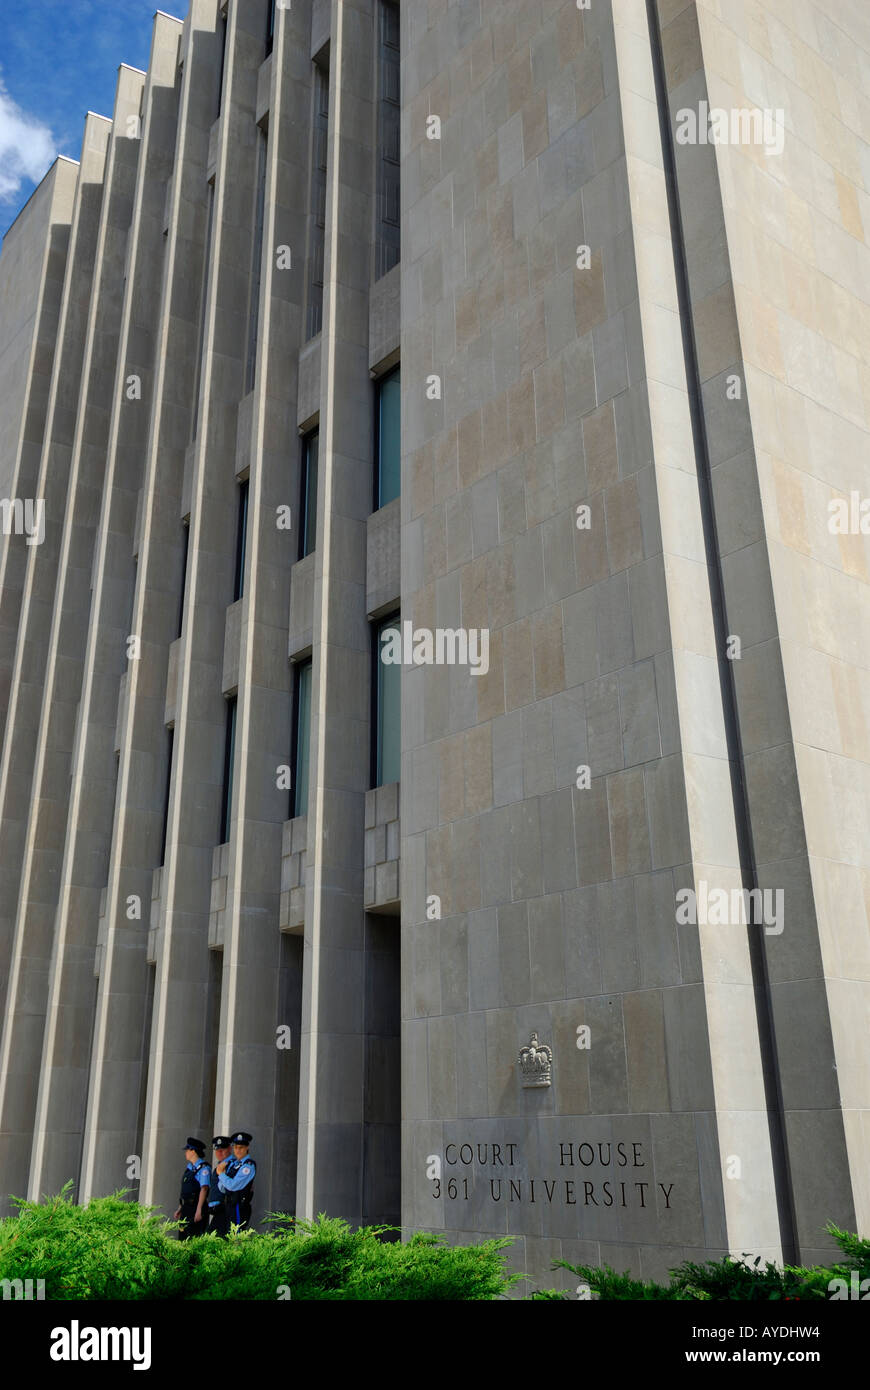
(308, 510)
(389, 441)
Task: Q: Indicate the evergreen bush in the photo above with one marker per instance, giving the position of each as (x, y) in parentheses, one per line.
(115, 1249)
(729, 1279)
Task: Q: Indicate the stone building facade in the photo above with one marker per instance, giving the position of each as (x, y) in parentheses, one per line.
(633, 372)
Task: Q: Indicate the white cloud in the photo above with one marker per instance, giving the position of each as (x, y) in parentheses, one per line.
(27, 147)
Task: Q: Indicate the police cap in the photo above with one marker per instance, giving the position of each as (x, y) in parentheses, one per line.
(241, 1138)
(196, 1144)
(221, 1141)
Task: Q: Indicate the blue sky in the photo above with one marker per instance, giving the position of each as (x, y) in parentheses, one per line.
(59, 59)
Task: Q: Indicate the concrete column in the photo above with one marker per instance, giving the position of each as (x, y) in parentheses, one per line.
(332, 1099)
(21, 1046)
(66, 1046)
(38, 650)
(33, 273)
(729, 989)
(252, 1071)
(119, 1060)
(178, 1097)
(16, 765)
(792, 438)
(28, 987)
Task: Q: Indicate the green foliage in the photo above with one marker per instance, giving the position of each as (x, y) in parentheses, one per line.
(116, 1249)
(748, 1282)
(856, 1251)
(109, 1249)
(737, 1280)
(609, 1285)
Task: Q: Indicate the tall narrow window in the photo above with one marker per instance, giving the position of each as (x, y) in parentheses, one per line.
(308, 509)
(222, 44)
(241, 542)
(389, 125)
(208, 1088)
(256, 258)
(270, 32)
(229, 758)
(387, 701)
(317, 245)
(185, 547)
(388, 443)
(144, 1050)
(170, 742)
(301, 739)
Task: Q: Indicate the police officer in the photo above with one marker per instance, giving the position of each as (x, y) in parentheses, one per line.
(217, 1210)
(194, 1190)
(236, 1180)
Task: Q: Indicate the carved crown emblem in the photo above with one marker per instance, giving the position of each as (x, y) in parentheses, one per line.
(536, 1062)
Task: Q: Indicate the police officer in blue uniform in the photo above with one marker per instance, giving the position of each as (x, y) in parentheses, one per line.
(236, 1180)
(194, 1190)
(217, 1210)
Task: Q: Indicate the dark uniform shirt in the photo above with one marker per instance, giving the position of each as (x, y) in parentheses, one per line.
(195, 1176)
(215, 1197)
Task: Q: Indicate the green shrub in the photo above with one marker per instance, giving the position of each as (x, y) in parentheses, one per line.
(727, 1279)
(116, 1249)
(109, 1249)
(608, 1285)
(855, 1249)
(748, 1283)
